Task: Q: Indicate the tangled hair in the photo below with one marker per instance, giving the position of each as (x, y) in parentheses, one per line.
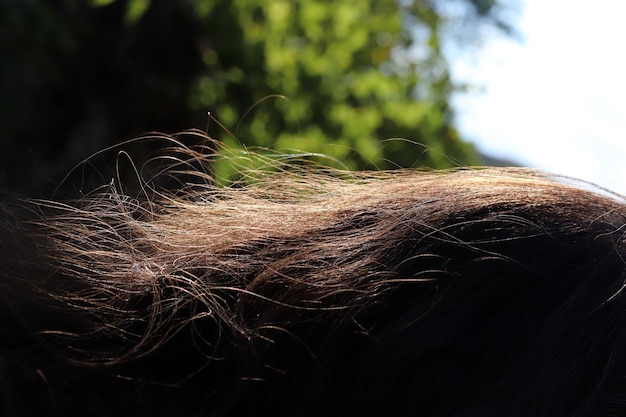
(313, 292)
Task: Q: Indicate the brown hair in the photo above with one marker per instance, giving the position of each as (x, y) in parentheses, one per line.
(307, 291)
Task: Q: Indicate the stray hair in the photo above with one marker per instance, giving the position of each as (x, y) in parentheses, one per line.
(309, 291)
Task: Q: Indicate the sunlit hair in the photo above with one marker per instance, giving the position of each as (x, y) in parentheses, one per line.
(302, 291)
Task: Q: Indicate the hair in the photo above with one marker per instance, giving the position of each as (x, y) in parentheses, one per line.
(316, 292)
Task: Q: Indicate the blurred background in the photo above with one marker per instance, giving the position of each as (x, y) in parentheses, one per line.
(371, 83)
(554, 97)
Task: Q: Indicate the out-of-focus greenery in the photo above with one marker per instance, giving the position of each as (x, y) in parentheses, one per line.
(343, 77)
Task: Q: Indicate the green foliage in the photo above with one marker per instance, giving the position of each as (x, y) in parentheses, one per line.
(363, 81)
(341, 78)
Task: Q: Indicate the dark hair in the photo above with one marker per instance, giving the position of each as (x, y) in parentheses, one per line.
(315, 292)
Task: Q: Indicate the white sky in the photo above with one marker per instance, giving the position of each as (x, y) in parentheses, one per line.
(555, 99)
